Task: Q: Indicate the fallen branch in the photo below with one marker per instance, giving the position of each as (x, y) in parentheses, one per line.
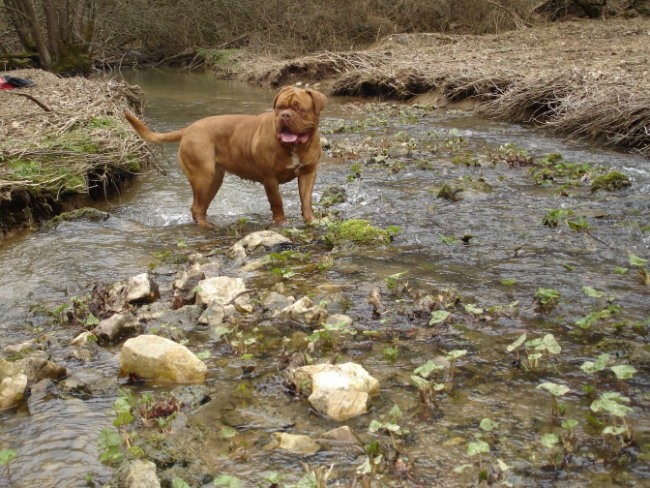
(33, 99)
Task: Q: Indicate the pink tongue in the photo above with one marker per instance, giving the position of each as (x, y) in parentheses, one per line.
(285, 137)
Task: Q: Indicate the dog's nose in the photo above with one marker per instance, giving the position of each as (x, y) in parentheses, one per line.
(286, 114)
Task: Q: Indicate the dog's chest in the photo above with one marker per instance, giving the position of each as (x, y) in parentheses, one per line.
(295, 162)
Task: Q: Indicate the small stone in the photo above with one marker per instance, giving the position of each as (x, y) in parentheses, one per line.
(220, 290)
(297, 444)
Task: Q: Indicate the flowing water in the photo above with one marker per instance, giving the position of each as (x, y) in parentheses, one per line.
(403, 154)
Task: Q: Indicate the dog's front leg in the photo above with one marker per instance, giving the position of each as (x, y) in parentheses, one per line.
(305, 189)
(272, 188)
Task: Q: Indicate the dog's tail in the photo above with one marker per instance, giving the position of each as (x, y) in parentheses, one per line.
(149, 135)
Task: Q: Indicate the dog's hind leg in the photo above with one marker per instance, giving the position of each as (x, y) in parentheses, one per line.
(205, 189)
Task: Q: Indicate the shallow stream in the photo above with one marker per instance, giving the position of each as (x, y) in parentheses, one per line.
(486, 254)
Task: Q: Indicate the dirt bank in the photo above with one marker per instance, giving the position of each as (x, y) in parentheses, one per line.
(586, 78)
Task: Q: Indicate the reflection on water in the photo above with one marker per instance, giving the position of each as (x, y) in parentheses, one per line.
(56, 438)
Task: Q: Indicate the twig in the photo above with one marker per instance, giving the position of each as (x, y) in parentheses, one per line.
(33, 99)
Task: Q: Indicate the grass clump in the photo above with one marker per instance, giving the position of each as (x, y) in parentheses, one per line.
(612, 181)
(361, 232)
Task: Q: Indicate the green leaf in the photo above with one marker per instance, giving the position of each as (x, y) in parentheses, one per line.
(592, 292)
(569, 424)
(91, 320)
(614, 430)
(624, 371)
(554, 388)
(487, 424)
(455, 354)
(635, 260)
(374, 426)
(228, 432)
(550, 344)
(227, 481)
(473, 309)
(430, 366)
(179, 483)
(477, 447)
(462, 467)
(439, 316)
(549, 440)
(612, 403)
(420, 383)
(591, 367)
(6, 456)
(517, 344)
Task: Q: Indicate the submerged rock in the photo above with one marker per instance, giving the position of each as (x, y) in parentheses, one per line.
(340, 391)
(137, 474)
(297, 444)
(156, 358)
(185, 287)
(341, 437)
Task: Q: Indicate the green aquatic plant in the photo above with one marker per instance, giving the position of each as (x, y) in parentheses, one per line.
(396, 283)
(615, 406)
(554, 218)
(556, 390)
(439, 317)
(6, 458)
(546, 299)
(612, 181)
(536, 350)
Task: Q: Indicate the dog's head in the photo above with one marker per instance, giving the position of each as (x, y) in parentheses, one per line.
(296, 114)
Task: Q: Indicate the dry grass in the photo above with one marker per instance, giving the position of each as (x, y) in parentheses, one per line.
(589, 79)
(63, 139)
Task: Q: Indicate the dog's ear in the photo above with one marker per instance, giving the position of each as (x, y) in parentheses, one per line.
(282, 90)
(320, 100)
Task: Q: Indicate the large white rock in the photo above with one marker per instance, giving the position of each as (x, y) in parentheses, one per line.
(155, 358)
(12, 390)
(220, 290)
(340, 391)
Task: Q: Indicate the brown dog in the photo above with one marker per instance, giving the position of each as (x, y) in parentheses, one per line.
(271, 148)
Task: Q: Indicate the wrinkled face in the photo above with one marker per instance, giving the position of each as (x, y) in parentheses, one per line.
(296, 114)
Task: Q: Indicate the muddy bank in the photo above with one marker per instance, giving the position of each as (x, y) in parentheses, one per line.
(63, 141)
(589, 79)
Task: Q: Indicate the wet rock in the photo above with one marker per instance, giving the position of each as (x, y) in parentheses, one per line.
(219, 290)
(258, 417)
(21, 349)
(254, 240)
(12, 390)
(305, 311)
(297, 444)
(141, 289)
(82, 339)
(340, 438)
(38, 368)
(185, 287)
(184, 318)
(156, 358)
(339, 391)
(85, 213)
(137, 474)
(120, 325)
(213, 316)
(276, 301)
(339, 320)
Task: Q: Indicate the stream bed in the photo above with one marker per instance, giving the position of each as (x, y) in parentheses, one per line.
(500, 228)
